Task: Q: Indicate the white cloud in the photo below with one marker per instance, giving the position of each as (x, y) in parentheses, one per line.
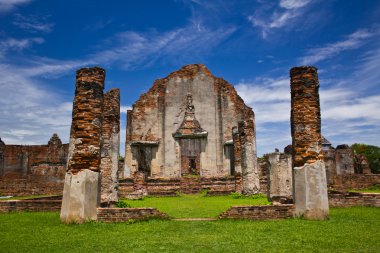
(353, 41)
(8, 5)
(30, 113)
(130, 50)
(133, 50)
(125, 108)
(33, 23)
(293, 4)
(12, 44)
(272, 16)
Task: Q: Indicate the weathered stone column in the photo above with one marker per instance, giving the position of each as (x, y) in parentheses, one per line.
(249, 167)
(280, 175)
(344, 159)
(81, 194)
(237, 149)
(310, 187)
(128, 150)
(110, 148)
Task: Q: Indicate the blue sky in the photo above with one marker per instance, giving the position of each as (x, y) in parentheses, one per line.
(251, 44)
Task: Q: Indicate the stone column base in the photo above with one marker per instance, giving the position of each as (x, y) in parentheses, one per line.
(310, 191)
(81, 196)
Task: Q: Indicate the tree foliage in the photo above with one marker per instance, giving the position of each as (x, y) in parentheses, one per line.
(371, 152)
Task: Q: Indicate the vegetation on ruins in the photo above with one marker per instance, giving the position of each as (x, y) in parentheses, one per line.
(347, 230)
(371, 152)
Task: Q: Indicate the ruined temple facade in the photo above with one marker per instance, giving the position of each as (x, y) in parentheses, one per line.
(184, 126)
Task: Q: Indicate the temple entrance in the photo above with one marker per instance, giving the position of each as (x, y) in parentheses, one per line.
(229, 153)
(144, 158)
(190, 156)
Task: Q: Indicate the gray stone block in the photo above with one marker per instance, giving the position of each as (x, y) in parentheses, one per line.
(81, 196)
(310, 191)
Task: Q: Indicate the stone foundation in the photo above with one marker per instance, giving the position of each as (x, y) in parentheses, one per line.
(259, 212)
(30, 206)
(128, 214)
(354, 199)
(171, 187)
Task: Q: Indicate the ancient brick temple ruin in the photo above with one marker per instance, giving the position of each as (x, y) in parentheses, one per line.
(309, 176)
(190, 132)
(182, 129)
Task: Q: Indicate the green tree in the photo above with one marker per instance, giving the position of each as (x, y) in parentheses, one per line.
(371, 152)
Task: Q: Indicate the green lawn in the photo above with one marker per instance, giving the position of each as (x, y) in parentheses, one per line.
(371, 189)
(27, 197)
(197, 206)
(348, 230)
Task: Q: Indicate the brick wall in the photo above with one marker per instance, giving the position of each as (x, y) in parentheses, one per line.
(355, 181)
(259, 212)
(30, 205)
(354, 199)
(30, 186)
(169, 187)
(126, 214)
(17, 161)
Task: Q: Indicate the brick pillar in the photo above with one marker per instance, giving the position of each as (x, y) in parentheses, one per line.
(81, 194)
(249, 166)
(128, 149)
(237, 149)
(310, 187)
(110, 147)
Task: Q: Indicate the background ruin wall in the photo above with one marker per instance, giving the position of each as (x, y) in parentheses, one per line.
(33, 169)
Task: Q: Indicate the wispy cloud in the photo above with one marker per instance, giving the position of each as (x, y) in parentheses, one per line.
(29, 113)
(33, 23)
(133, 50)
(12, 44)
(327, 51)
(273, 16)
(8, 5)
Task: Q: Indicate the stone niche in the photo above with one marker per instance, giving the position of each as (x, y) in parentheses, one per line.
(183, 126)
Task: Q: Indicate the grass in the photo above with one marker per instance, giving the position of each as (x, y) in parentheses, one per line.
(347, 230)
(197, 206)
(27, 197)
(371, 189)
